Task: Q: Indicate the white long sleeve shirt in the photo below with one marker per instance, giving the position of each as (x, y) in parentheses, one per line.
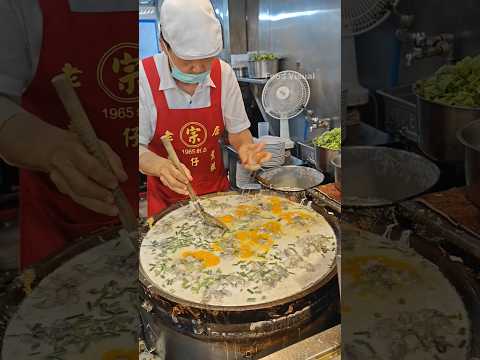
(21, 33)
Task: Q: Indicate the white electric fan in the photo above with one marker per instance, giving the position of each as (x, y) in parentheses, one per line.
(285, 95)
(358, 17)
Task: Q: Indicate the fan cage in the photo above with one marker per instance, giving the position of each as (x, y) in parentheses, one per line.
(360, 16)
(271, 86)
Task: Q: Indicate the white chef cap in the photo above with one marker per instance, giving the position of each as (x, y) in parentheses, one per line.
(191, 28)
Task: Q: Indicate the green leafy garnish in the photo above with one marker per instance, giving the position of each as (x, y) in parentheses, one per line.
(454, 85)
(263, 57)
(331, 140)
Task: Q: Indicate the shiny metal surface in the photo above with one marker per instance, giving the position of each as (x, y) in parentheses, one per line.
(432, 17)
(292, 178)
(337, 165)
(323, 159)
(241, 72)
(319, 157)
(319, 346)
(180, 346)
(469, 136)
(379, 176)
(306, 152)
(221, 8)
(307, 34)
(262, 69)
(438, 127)
(232, 16)
(366, 135)
(400, 111)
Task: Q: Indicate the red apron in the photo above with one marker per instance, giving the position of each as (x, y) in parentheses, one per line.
(195, 135)
(105, 74)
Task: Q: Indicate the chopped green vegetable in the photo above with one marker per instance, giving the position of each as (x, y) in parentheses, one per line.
(263, 57)
(331, 140)
(454, 85)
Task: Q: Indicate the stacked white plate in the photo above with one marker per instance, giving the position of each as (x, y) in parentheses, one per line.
(276, 146)
(245, 181)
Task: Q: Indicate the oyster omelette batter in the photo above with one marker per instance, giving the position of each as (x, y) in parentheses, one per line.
(274, 249)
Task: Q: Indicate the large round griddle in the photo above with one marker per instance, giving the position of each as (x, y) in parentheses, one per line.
(58, 317)
(456, 273)
(157, 294)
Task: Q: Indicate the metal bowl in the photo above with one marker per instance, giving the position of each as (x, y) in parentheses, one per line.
(470, 137)
(438, 126)
(291, 178)
(380, 176)
(263, 69)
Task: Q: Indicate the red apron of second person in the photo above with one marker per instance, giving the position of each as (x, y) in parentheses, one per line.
(108, 89)
(195, 135)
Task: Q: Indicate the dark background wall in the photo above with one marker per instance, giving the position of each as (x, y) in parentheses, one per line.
(377, 50)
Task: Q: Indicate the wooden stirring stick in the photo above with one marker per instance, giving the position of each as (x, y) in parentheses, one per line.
(172, 155)
(80, 124)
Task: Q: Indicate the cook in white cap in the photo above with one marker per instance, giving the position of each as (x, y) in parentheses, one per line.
(193, 97)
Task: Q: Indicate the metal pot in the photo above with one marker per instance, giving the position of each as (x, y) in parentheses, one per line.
(470, 137)
(323, 159)
(438, 126)
(262, 69)
(291, 178)
(380, 176)
(337, 165)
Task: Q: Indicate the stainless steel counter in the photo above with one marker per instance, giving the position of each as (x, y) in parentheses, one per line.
(325, 345)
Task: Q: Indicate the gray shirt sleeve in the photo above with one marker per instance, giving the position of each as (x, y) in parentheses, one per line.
(20, 40)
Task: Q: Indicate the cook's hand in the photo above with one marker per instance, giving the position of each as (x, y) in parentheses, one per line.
(81, 176)
(252, 156)
(172, 178)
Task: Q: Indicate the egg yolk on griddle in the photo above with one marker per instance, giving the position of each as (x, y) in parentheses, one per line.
(273, 227)
(227, 219)
(290, 216)
(207, 258)
(244, 210)
(252, 243)
(276, 205)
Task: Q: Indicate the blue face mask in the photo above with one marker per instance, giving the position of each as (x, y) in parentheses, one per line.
(187, 77)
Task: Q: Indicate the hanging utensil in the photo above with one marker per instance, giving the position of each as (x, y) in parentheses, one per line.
(172, 155)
